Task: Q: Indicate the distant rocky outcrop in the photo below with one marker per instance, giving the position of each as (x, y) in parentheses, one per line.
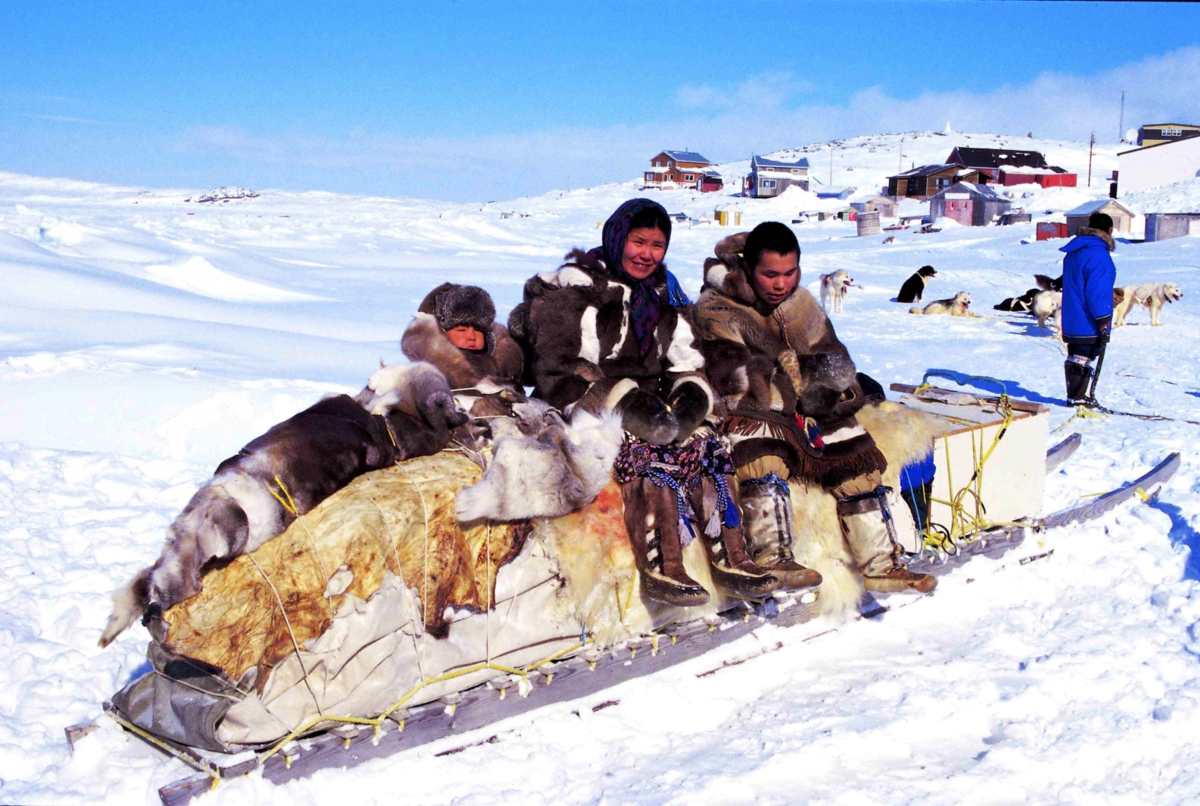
(224, 194)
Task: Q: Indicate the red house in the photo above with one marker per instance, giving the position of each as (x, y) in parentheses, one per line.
(1008, 167)
(676, 167)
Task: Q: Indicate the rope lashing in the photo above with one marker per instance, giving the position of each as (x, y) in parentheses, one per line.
(773, 479)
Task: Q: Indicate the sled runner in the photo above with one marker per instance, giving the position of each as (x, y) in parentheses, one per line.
(293, 701)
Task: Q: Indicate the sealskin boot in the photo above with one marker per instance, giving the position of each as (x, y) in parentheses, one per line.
(653, 524)
(768, 532)
(867, 527)
(732, 568)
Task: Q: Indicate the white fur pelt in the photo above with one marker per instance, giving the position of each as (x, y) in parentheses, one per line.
(904, 435)
(543, 466)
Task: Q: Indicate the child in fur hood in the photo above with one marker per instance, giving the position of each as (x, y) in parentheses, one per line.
(792, 393)
(612, 331)
(455, 329)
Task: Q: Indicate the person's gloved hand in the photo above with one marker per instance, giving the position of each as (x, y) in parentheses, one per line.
(1104, 328)
(825, 376)
(690, 404)
(647, 417)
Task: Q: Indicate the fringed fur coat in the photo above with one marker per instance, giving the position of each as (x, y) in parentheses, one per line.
(769, 365)
(580, 349)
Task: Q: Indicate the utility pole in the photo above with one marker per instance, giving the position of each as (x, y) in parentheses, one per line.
(900, 159)
(831, 163)
(1091, 145)
(1121, 125)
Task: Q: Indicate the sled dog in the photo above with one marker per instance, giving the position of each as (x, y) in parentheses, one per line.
(404, 411)
(914, 286)
(1148, 295)
(960, 305)
(834, 286)
(1048, 304)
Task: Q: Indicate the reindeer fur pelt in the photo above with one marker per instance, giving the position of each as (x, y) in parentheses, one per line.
(543, 466)
(404, 411)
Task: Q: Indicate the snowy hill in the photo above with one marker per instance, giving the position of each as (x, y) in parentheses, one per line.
(143, 338)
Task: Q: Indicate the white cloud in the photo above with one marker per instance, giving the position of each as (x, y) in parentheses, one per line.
(727, 123)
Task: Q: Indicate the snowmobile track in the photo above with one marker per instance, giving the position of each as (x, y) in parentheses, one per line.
(595, 670)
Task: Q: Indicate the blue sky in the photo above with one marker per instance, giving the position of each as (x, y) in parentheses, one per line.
(478, 101)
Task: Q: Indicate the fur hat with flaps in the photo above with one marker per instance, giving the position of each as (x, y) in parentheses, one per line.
(456, 305)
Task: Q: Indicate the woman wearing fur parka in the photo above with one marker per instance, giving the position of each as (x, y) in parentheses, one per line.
(792, 391)
(611, 330)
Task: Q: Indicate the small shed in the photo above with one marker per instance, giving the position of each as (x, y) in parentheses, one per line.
(878, 204)
(1121, 215)
(834, 192)
(1015, 217)
(709, 182)
(969, 204)
(1164, 226)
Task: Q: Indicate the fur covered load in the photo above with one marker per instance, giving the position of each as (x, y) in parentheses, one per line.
(404, 411)
(543, 466)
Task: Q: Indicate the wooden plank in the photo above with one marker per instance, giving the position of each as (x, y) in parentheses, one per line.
(1018, 405)
(1060, 453)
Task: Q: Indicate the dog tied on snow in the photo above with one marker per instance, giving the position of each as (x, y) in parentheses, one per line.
(1148, 295)
(834, 287)
(914, 286)
(1045, 305)
(960, 305)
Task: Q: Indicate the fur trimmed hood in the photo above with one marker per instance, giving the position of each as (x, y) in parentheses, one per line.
(500, 362)
(727, 272)
(1097, 233)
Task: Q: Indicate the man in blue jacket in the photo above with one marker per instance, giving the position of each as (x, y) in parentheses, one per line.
(1087, 288)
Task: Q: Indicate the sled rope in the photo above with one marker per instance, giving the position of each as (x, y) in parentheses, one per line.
(290, 506)
(213, 772)
(287, 622)
(965, 527)
(391, 534)
(1082, 413)
(378, 721)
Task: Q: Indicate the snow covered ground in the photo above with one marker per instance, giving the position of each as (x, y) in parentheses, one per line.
(143, 338)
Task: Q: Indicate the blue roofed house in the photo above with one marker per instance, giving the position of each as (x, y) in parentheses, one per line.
(768, 178)
(669, 168)
(834, 192)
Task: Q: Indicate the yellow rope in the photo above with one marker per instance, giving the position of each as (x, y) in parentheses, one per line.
(965, 527)
(1082, 413)
(290, 506)
(378, 721)
(204, 767)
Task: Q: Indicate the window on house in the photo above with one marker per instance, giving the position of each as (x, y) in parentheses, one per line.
(688, 177)
(943, 182)
(768, 183)
(1172, 132)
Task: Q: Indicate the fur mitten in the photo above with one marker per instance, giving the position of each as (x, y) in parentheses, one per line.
(646, 417)
(825, 376)
(690, 404)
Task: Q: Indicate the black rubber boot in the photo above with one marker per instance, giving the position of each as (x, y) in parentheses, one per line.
(1079, 378)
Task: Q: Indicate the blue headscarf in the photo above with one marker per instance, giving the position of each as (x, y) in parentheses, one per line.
(643, 302)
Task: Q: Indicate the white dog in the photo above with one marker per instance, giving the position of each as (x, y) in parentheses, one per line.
(834, 286)
(1149, 295)
(1045, 305)
(960, 305)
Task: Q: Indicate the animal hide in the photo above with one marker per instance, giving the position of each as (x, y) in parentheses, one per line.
(542, 466)
(255, 611)
(404, 411)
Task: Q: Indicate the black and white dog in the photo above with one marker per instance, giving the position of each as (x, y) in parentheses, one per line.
(404, 411)
(914, 286)
(1024, 303)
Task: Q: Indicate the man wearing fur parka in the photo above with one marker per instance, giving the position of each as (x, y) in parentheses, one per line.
(792, 391)
(611, 330)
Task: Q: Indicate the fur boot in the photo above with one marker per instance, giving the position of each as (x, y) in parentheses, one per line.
(866, 523)
(768, 526)
(651, 517)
